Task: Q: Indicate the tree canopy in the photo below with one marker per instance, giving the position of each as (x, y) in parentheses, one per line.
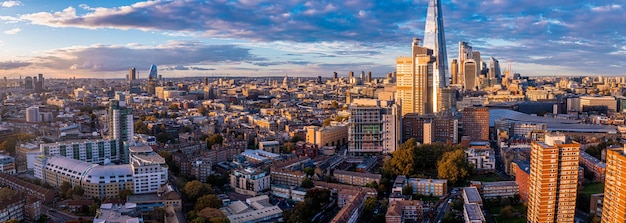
(208, 201)
(193, 189)
(454, 166)
(414, 160)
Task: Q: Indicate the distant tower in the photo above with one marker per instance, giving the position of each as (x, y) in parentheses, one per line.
(413, 86)
(434, 38)
(335, 76)
(206, 81)
(153, 73)
(132, 74)
(470, 68)
(369, 77)
(285, 85)
(454, 71)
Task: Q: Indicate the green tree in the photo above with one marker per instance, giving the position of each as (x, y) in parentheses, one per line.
(403, 159)
(214, 139)
(296, 139)
(124, 193)
(507, 211)
(193, 189)
(198, 220)
(78, 190)
(454, 166)
(309, 171)
(208, 201)
(65, 186)
(203, 110)
(369, 206)
(12, 220)
(307, 183)
(164, 137)
(407, 190)
(141, 128)
(288, 147)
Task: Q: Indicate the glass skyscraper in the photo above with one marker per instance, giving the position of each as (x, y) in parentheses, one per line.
(434, 38)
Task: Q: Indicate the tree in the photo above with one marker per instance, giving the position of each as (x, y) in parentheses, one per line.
(309, 171)
(78, 190)
(174, 107)
(208, 201)
(124, 193)
(407, 190)
(369, 206)
(334, 105)
(203, 110)
(193, 189)
(307, 183)
(12, 220)
(507, 211)
(164, 137)
(141, 128)
(295, 139)
(213, 214)
(288, 147)
(454, 166)
(403, 159)
(214, 139)
(326, 122)
(65, 186)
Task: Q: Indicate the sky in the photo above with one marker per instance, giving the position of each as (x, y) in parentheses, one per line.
(103, 39)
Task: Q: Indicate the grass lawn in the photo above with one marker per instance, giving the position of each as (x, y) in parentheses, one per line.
(593, 188)
(490, 177)
(500, 219)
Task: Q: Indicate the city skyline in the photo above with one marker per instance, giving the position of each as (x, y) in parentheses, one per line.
(297, 38)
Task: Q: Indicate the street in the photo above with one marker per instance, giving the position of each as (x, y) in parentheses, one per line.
(56, 215)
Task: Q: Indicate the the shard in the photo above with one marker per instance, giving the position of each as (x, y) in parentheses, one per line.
(434, 38)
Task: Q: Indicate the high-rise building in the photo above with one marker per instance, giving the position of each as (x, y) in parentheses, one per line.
(132, 74)
(120, 120)
(415, 88)
(32, 114)
(454, 71)
(494, 68)
(553, 180)
(152, 75)
(434, 38)
(476, 123)
(470, 68)
(374, 127)
(465, 53)
(614, 209)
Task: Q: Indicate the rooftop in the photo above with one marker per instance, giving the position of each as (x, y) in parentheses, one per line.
(356, 174)
(474, 213)
(472, 195)
(499, 184)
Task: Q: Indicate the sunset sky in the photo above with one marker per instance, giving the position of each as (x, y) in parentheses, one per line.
(104, 39)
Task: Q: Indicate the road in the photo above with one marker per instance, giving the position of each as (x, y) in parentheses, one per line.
(441, 211)
(56, 215)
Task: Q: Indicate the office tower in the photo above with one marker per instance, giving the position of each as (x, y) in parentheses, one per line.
(362, 77)
(454, 71)
(614, 209)
(32, 114)
(434, 38)
(374, 128)
(335, 76)
(39, 84)
(120, 124)
(152, 75)
(132, 74)
(414, 84)
(553, 180)
(465, 53)
(28, 83)
(494, 68)
(476, 123)
(369, 77)
(470, 68)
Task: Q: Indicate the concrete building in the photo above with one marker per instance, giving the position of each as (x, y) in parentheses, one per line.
(430, 128)
(333, 135)
(434, 187)
(201, 168)
(522, 178)
(165, 197)
(42, 194)
(594, 165)
(12, 208)
(98, 151)
(553, 180)
(149, 170)
(483, 159)
(270, 146)
(472, 213)
(415, 87)
(32, 114)
(472, 196)
(499, 189)
(374, 127)
(588, 102)
(121, 127)
(259, 156)
(7, 165)
(614, 204)
(255, 209)
(249, 181)
(404, 211)
(25, 157)
(476, 123)
(355, 178)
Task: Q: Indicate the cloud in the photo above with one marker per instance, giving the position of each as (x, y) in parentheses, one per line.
(173, 56)
(13, 31)
(9, 4)
(13, 64)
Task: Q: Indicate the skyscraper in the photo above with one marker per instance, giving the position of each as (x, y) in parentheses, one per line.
(434, 38)
(494, 68)
(454, 71)
(465, 53)
(415, 88)
(132, 74)
(553, 180)
(476, 123)
(470, 68)
(153, 72)
(121, 126)
(614, 209)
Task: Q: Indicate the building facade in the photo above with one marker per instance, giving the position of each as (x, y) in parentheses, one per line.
(249, 181)
(7, 165)
(614, 203)
(553, 180)
(476, 123)
(374, 127)
(91, 151)
(333, 135)
(434, 187)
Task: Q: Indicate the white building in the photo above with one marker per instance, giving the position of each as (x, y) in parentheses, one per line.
(256, 209)
(91, 150)
(249, 181)
(148, 168)
(7, 165)
(32, 114)
(482, 159)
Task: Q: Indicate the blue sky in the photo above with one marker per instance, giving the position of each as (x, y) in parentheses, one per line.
(300, 38)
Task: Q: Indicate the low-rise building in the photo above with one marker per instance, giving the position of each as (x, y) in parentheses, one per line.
(25, 156)
(434, 187)
(594, 165)
(400, 211)
(259, 156)
(596, 205)
(249, 181)
(289, 171)
(522, 178)
(270, 146)
(333, 135)
(7, 164)
(471, 196)
(255, 209)
(356, 178)
(12, 208)
(499, 189)
(165, 197)
(289, 192)
(472, 213)
(483, 159)
(44, 195)
(201, 168)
